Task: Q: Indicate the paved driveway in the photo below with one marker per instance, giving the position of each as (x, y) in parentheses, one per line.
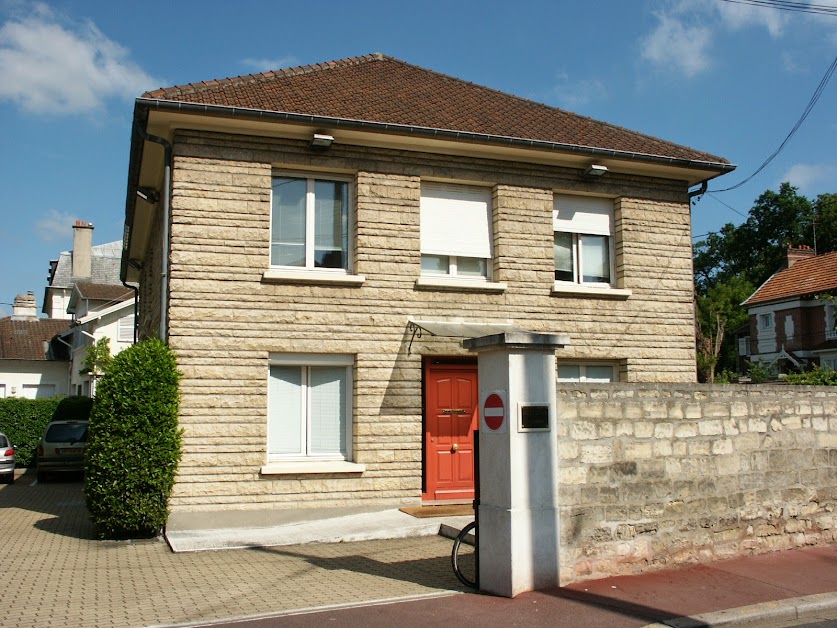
(61, 575)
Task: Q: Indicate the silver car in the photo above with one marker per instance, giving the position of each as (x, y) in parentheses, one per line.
(62, 448)
(7, 459)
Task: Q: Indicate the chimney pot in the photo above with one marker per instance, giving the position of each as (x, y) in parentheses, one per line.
(793, 255)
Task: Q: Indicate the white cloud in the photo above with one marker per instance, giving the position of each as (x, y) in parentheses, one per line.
(574, 94)
(806, 176)
(50, 67)
(680, 47)
(736, 16)
(266, 65)
(55, 225)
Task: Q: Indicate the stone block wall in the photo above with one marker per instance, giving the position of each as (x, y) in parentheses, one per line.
(656, 476)
(226, 317)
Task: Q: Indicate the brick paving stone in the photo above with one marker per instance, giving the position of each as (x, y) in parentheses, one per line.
(62, 575)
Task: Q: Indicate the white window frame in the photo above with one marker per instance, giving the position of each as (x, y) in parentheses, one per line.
(766, 320)
(580, 216)
(582, 370)
(456, 222)
(310, 273)
(305, 361)
(830, 315)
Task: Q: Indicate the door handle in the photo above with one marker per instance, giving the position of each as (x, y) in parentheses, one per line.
(455, 447)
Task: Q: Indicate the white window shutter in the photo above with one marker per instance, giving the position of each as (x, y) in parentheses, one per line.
(285, 419)
(455, 220)
(583, 214)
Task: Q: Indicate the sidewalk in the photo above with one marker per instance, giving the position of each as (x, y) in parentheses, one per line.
(59, 574)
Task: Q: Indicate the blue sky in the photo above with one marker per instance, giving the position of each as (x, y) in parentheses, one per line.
(719, 76)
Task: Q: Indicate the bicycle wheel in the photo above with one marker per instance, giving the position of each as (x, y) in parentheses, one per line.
(463, 556)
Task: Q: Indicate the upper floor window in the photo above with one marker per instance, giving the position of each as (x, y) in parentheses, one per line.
(455, 230)
(766, 321)
(830, 321)
(309, 223)
(125, 329)
(583, 237)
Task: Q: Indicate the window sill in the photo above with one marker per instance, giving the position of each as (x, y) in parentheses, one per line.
(458, 284)
(311, 276)
(311, 467)
(580, 290)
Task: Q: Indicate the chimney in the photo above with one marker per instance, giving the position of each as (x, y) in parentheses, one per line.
(25, 308)
(795, 255)
(82, 250)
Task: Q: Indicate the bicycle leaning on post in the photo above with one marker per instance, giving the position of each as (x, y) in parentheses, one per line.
(465, 562)
(465, 553)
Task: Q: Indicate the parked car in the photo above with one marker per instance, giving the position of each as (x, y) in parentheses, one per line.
(62, 448)
(7, 459)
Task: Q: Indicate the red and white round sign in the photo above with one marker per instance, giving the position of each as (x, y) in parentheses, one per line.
(493, 411)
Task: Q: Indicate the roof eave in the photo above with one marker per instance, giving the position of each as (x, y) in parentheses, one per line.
(149, 104)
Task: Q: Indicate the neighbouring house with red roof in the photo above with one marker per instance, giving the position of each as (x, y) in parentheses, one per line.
(314, 243)
(33, 363)
(790, 328)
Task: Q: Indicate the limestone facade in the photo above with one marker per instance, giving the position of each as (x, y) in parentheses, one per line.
(226, 317)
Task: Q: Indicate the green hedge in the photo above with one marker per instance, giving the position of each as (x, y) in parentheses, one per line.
(816, 377)
(24, 420)
(133, 443)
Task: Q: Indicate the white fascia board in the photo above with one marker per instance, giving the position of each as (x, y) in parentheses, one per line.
(108, 310)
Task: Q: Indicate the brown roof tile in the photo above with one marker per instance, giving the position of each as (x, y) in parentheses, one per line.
(381, 89)
(815, 275)
(24, 339)
(103, 292)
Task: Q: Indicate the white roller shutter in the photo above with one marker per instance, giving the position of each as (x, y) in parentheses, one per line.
(582, 214)
(455, 220)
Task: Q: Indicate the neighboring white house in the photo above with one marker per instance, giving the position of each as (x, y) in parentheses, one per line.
(85, 263)
(33, 362)
(100, 311)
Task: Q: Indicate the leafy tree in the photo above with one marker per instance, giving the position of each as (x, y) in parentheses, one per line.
(756, 248)
(719, 314)
(731, 263)
(133, 443)
(97, 359)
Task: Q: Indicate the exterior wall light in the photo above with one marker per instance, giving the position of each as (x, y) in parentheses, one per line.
(595, 170)
(321, 141)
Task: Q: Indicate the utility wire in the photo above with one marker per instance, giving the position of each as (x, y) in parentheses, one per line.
(785, 5)
(811, 103)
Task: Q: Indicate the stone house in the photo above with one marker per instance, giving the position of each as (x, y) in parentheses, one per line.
(314, 244)
(790, 328)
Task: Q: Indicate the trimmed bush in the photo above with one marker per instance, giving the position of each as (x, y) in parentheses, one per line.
(133, 443)
(815, 377)
(24, 420)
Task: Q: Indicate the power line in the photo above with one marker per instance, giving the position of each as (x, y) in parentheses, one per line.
(795, 7)
(811, 103)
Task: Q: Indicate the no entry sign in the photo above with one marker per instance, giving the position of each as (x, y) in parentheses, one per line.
(494, 412)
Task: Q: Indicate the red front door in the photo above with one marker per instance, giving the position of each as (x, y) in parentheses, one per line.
(451, 400)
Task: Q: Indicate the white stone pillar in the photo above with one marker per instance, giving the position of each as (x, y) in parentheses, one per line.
(519, 531)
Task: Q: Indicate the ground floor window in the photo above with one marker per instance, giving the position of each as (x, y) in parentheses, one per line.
(310, 407)
(590, 372)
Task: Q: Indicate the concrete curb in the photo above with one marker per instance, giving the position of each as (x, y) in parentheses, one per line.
(797, 608)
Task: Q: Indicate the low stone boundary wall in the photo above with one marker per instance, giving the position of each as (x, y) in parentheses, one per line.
(658, 475)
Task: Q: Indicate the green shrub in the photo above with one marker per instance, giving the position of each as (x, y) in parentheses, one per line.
(759, 372)
(133, 443)
(816, 377)
(24, 420)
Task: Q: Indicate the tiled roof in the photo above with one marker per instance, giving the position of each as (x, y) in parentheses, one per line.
(104, 264)
(103, 292)
(380, 89)
(24, 339)
(815, 275)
